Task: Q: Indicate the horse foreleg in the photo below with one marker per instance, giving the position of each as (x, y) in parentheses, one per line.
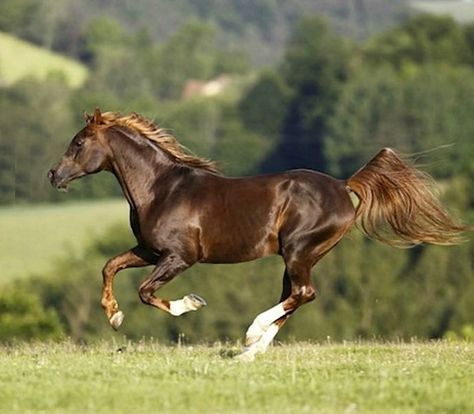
(132, 258)
(169, 266)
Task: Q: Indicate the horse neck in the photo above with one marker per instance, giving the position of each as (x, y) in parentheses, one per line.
(137, 164)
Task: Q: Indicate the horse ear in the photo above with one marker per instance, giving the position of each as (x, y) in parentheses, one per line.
(87, 117)
(97, 117)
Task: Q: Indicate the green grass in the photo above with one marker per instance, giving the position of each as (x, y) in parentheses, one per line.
(19, 59)
(299, 378)
(33, 237)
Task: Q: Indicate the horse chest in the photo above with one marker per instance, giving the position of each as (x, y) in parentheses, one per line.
(166, 230)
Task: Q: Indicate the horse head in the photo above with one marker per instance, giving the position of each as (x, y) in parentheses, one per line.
(86, 154)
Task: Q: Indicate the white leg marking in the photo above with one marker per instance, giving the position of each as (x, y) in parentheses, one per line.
(261, 345)
(190, 302)
(262, 322)
(267, 337)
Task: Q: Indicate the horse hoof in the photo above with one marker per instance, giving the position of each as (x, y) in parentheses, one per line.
(248, 355)
(194, 302)
(251, 340)
(116, 319)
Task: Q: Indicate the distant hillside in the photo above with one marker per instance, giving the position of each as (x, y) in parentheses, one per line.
(460, 10)
(19, 59)
(60, 228)
(259, 27)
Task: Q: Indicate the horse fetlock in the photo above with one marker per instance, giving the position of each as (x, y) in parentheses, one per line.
(254, 333)
(116, 319)
(110, 306)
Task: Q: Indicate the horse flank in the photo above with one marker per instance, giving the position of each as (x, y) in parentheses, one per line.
(159, 136)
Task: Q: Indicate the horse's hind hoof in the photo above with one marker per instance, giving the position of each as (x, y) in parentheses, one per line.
(116, 319)
(194, 302)
(248, 355)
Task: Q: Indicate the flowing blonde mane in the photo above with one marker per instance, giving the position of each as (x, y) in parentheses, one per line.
(157, 135)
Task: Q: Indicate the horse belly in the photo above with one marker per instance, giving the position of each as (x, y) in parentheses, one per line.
(224, 245)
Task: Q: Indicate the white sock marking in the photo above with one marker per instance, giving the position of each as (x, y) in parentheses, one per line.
(261, 345)
(180, 306)
(267, 337)
(263, 321)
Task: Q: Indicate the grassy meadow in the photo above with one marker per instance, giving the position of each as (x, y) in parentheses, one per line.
(33, 236)
(299, 378)
(19, 59)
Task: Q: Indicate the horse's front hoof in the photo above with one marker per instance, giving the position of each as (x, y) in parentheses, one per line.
(194, 302)
(116, 319)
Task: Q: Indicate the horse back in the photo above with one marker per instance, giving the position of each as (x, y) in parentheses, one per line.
(245, 218)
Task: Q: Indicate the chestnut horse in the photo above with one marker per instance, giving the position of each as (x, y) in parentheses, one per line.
(183, 211)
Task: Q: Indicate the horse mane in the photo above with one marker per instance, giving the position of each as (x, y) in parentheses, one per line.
(149, 130)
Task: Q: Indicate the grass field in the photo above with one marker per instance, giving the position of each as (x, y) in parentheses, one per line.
(299, 378)
(32, 237)
(19, 59)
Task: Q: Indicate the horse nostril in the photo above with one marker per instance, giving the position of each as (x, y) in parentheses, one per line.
(51, 175)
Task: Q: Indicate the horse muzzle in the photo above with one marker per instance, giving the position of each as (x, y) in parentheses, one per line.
(57, 181)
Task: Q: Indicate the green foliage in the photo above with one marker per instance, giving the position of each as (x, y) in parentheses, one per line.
(30, 122)
(422, 39)
(259, 28)
(466, 333)
(377, 109)
(316, 65)
(366, 290)
(185, 56)
(263, 107)
(32, 128)
(22, 317)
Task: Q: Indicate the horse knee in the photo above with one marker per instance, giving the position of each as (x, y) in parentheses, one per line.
(109, 269)
(145, 294)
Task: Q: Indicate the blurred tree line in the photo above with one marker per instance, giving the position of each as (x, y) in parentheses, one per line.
(259, 27)
(329, 105)
(365, 290)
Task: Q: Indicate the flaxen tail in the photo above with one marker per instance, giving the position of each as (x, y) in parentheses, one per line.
(398, 205)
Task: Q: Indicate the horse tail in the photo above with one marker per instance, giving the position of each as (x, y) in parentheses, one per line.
(398, 205)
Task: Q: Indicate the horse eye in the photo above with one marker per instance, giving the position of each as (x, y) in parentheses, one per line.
(79, 144)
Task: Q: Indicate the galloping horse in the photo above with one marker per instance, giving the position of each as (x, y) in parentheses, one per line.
(183, 211)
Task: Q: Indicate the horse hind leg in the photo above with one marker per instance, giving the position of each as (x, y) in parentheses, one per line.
(297, 290)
